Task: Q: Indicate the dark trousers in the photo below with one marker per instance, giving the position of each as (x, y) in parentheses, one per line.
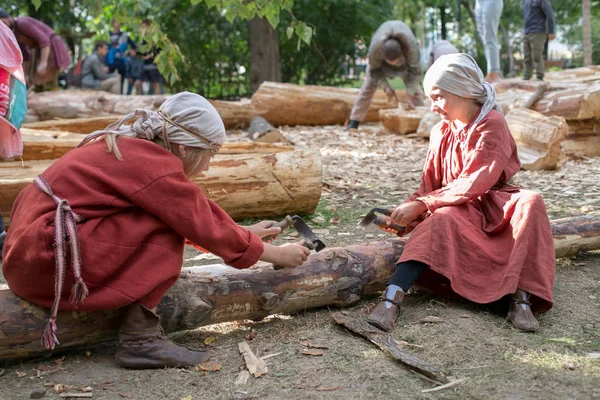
(407, 273)
(119, 66)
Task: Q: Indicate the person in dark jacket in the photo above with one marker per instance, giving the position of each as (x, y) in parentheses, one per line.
(539, 27)
(135, 72)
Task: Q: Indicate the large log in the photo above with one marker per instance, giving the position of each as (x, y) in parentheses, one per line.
(203, 296)
(538, 138)
(288, 104)
(98, 107)
(583, 139)
(402, 121)
(245, 185)
(75, 125)
(571, 101)
(587, 74)
(48, 145)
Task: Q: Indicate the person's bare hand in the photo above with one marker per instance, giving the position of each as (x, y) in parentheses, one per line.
(292, 255)
(42, 68)
(406, 213)
(265, 229)
(106, 69)
(414, 101)
(551, 36)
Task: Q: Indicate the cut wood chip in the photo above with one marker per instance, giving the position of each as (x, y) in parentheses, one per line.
(76, 395)
(255, 365)
(446, 386)
(209, 366)
(308, 344)
(242, 378)
(329, 389)
(316, 353)
(269, 356)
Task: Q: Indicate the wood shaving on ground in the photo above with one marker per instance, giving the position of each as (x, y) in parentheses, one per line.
(255, 365)
(446, 386)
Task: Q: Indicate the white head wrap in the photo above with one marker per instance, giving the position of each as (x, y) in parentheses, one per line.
(185, 118)
(459, 74)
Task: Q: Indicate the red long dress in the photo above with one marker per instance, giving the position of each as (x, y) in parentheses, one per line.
(484, 237)
(137, 213)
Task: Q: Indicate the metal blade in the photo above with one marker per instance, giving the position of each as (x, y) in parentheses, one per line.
(307, 233)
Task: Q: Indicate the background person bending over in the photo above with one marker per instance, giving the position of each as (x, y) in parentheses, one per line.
(127, 205)
(393, 52)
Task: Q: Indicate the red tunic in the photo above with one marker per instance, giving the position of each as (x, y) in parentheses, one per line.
(137, 213)
(486, 238)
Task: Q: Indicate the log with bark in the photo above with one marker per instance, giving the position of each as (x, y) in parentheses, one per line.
(402, 121)
(86, 104)
(571, 101)
(202, 296)
(538, 138)
(583, 139)
(288, 104)
(75, 125)
(48, 145)
(587, 74)
(245, 185)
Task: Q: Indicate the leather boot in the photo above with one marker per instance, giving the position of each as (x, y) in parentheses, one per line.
(519, 312)
(142, 343)
(383, 317)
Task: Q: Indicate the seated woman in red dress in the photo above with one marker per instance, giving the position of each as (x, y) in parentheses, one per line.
(123, 206)
(472, 231)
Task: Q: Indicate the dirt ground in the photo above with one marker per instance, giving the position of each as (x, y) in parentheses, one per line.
(361, 170)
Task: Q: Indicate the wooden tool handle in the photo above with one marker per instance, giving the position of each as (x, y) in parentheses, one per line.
(381, 221)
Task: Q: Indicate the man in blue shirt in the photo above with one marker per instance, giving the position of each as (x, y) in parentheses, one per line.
(539, 27)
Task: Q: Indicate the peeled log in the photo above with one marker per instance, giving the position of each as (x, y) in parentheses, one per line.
(203, 296)
(245, 185)
(538, 138)
(587, 74)
(75, 125)
(583, 139)
(571, 101)
(48, 145)
(87, 104)
(402, 121)
(288, 104)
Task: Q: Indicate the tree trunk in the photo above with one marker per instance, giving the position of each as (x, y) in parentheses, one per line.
(288, 104)
(443, 29)
(538, 138)
(203, 295)
(402, 121)
(587, 32)
(264, 52)
(509, 52)
(244, 185)
(568, 100)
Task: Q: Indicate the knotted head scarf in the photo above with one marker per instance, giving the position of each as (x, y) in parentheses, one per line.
(459, 74)
(185, 118)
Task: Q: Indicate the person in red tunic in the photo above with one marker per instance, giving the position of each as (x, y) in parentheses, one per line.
(472, 231)
(45, 53)
(123, 206)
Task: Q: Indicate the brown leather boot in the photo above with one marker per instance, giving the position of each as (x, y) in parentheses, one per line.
(383, 317)
(142, 343)
(519, 312)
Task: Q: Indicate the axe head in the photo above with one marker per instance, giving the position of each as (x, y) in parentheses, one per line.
(307, 234)
(371, 215)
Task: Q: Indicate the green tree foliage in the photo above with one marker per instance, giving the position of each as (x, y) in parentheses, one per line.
(343, 30)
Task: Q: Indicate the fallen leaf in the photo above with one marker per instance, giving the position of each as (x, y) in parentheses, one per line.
(316, 353)
(187, 397)
(431, 319)
(334, 220)
(88, 353)
(308, 344)
(592, 297)
(329, 389)
(21, 374)
(60, 361)
(209, 366)
(209, 340)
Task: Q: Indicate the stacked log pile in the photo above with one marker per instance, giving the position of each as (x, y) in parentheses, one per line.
(246, 179)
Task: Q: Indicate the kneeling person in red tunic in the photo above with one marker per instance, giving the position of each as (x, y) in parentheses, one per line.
(472, 231)
(123, 206)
